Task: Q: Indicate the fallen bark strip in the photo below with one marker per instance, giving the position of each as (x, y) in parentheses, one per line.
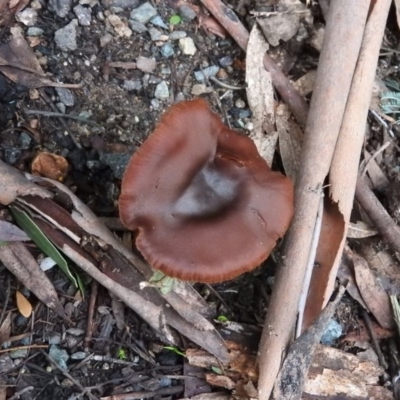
(335, 72)
(344, 168)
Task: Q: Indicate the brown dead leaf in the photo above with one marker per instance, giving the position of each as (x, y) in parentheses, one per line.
(8, 9)
(361, 333)
(290, 140)
(24, 306)
(11, 233)
(50, 166)
(220, 381)
(382, 263)
(5, 328)
(360, 230)
(19, 64)
(347, 278)
(260, 96)
(305, 84)
(375, 297)
(377, 176)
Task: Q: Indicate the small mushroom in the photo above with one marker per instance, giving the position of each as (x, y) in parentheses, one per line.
(205, 205)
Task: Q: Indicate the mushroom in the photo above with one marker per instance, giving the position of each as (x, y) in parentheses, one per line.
(205, 205)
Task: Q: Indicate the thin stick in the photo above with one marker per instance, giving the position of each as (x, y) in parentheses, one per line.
(18, 394)
(32, 346)
(58, 114)
(225, 85)
(50, 103)
(373, 157)
(370, 328)
(69, 376)
(378, 215)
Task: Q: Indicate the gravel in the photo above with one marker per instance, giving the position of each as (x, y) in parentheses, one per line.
(162, 91)
(65, 38)
(167, 50)
(206, 73)
(144, 13)
(187, 46)
(83, 14)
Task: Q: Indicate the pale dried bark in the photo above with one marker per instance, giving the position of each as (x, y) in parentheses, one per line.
(344, 168)
(336, 68)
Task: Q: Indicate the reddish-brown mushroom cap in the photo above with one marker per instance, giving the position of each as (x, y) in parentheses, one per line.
(205, 205)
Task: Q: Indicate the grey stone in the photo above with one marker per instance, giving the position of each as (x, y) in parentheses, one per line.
(6, 363)
(165, 70)
(158, 21)
(146, 64)
(132, 85)
(167, 50)
(244, 113)
(333, 331)
(199, 89)
(104, 40)
(11, 156)
(60, 7)
(55, 339)
(155, 34)
(204, 74)
(59, 356)
(116, 161)
(20, 353)
(83, 14)
(79, 355)
(187, 13)
(225, 61)
(66, 96)
(61, 107)
(137, 26)
(187, 46)
(154, 80)
(144, 13)
(176, 35)
(65, 38)
(24, 140)
(120, 3)
(155, 103)
(34, 31)
(162, 91)
(239, 103)
(28, 17)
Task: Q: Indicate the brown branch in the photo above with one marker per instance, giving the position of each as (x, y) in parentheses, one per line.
(229, 20)
(378, 215)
